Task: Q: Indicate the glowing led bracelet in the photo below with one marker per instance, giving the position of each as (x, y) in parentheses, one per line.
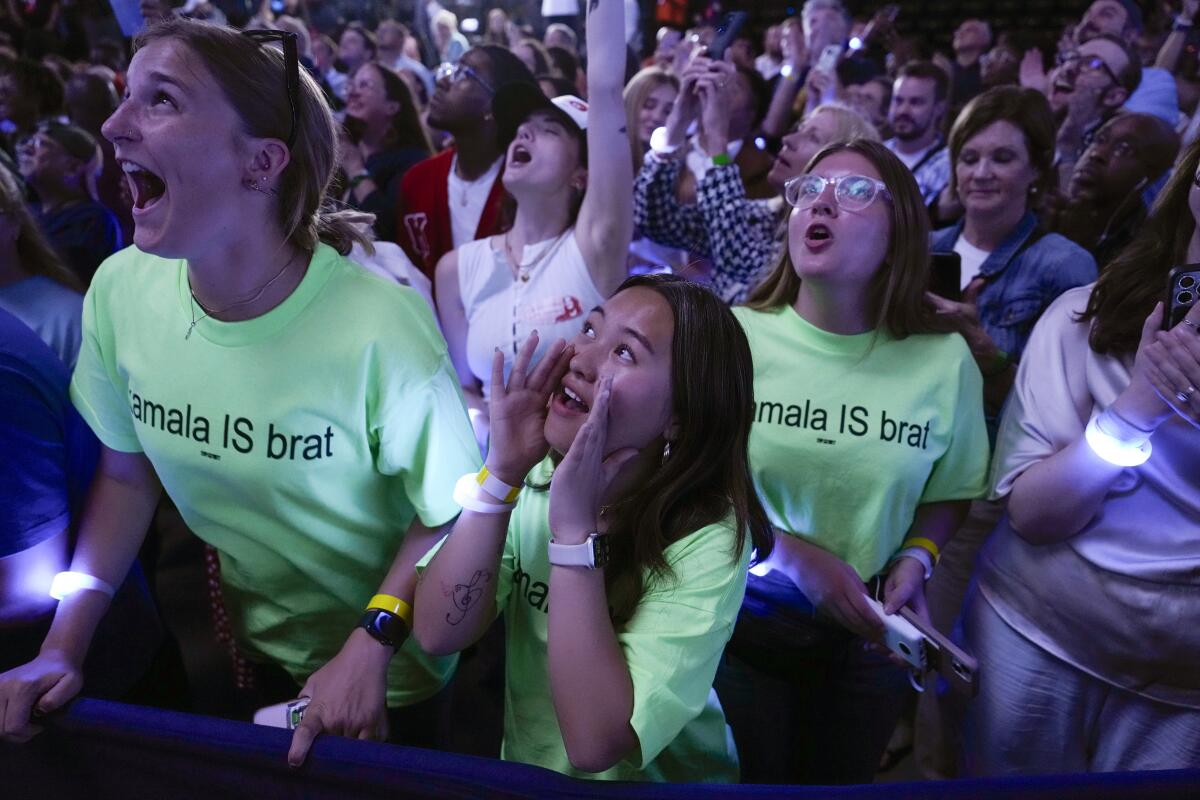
(66, 583)
(1119, 452)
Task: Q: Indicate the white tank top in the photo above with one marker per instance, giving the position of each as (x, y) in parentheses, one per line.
(551, 295)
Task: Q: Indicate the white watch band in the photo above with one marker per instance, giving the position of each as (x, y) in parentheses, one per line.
(920, 554)
(592, 554)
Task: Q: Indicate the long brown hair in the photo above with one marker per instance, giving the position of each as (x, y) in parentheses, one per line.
(1136, 279)
(35, 254)
(707, 476)
(407, 129)
(252, 77)
(897, 292)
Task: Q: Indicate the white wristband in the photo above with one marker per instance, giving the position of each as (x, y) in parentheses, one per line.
(496, 487)
(920, 554)
(66, 583)
(1111, 447)
(465, 494)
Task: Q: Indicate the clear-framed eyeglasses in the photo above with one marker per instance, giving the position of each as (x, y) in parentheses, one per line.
(460, 71)
(851, 192)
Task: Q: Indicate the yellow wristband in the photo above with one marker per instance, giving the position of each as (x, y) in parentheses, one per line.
(496, 487)
(927, 545)
(392, 605)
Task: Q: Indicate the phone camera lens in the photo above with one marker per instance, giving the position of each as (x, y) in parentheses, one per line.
(904, 649)
(1184, 298)
(1187, 282)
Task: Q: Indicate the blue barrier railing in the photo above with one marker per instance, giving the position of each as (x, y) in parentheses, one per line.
(103, 749)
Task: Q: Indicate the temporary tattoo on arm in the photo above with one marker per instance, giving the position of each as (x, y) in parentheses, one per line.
(466, 595)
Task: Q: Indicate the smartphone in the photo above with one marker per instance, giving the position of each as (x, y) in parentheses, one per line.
(282, 715)
(902, 637)
(945, 275)
(827, 61)
(959, 668)
(727, 31)
(1183, 287)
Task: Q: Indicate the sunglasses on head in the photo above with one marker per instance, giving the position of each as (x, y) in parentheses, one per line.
(291, 58)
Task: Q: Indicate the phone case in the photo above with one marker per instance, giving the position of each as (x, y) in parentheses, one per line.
(902, 637)
(959, 668)
(1183, 286)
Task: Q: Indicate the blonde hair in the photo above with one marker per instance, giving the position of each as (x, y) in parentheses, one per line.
(848, 123)
(36, 255)
(641, 86)
(252, 77)
(897, 293)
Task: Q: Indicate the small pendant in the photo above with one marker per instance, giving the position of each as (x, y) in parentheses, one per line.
(191, 327)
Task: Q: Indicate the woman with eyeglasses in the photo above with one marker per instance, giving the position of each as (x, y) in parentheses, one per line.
(568, 169)
(383, 136)
(301, 413)
(867, 445)
(1083, 607)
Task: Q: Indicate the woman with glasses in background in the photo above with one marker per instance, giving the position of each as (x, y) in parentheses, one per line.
(287, 401)
(868, 443)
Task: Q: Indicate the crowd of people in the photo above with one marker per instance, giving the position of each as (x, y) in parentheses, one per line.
(736, 345)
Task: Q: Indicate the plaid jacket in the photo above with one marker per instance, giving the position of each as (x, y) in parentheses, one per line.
(741, 237)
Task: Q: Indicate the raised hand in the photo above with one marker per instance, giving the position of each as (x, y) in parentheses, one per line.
(582, 479)
(1032, 72)
(518, 410)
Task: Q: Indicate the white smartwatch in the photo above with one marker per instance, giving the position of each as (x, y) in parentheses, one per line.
(658, 143)
(593, 554)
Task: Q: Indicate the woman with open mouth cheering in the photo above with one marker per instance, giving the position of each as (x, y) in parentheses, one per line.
(619, 561)
(868, 444)
(569, 172)
(301, 413)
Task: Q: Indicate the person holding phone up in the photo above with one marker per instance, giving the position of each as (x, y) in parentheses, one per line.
(867, 445)
(1083, 608)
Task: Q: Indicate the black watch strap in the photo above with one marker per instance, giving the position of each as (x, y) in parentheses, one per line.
(384, 627)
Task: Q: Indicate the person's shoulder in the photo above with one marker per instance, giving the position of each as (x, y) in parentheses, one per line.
(371, 292)
(132, 266)
(706, 560)
(1065, 259)
(430, 168)
(1066, 308)
(936, 349)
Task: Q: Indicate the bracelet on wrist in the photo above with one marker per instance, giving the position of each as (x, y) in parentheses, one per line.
(1116, 441)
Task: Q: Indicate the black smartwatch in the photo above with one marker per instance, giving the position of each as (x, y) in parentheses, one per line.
(384, 627)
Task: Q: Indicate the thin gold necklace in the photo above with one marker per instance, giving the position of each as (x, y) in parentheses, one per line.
(533, 262)
(207, 313)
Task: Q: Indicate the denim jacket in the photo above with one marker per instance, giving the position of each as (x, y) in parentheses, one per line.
(1023, 278)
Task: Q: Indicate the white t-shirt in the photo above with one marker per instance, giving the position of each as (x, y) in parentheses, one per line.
(910, 160)
(467, 200)
(972, 259)
(551, 295)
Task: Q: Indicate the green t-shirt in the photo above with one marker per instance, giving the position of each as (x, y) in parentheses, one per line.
(672, 645)
(300, 444)
(852, 433)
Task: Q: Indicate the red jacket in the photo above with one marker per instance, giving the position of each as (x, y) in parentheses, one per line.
(423, 211)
